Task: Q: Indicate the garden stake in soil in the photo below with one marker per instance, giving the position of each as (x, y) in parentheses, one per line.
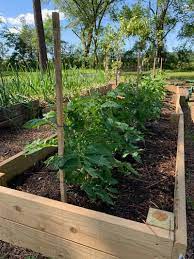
(59, 99)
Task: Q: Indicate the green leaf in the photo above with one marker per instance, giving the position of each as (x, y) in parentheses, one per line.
(71, 163)
(35, 123)
(99, 160)
(111, 104)
(113, 190)
(91, 171)
(105, 197)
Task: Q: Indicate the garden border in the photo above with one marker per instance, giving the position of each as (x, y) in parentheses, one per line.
(17, 114)
(67, 231)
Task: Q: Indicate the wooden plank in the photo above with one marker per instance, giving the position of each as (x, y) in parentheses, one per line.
(45, 243)
(160, 218)
(17, 164)
(171, 88)
(2, 179)
(178, 103)
(179, 196)
(7, 113)
(14, 121)
(113, 235)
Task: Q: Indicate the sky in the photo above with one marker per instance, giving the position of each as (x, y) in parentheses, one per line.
(11, 11)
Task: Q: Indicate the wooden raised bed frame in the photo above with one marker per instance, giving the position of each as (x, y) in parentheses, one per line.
(16, 115)
(66, 231)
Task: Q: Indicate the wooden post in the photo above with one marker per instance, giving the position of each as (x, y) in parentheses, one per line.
(154, 67)
(59, 99)
(40, 35)
(161, 64)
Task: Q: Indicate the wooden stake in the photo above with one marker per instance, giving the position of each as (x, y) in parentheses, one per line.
(59, 99)
(161, 64)
(40, 35)
(154, 67)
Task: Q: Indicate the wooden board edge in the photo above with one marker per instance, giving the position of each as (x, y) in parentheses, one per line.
(2, 179)
(17, 164)
(89, 229)
(145, 228)
(46, 244)
(180, 244)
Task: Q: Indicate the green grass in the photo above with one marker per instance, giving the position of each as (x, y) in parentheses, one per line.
(188, 75)
(18, 87)
(179, 75)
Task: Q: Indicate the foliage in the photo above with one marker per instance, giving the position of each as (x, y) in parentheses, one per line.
(101, 135)
(187, 30)
(23, 45)
(112, 44)
(180, 59)
(135, 23)
(85, 19)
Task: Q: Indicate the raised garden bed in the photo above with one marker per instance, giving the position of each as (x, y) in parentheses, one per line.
(16, 115)
(67, 231)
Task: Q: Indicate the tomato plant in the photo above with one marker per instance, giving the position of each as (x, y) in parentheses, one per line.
(100, 132)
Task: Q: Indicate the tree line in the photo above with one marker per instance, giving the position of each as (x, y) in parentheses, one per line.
(103, 27)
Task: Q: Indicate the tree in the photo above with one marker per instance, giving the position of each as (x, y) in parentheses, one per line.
(134, 22)
(187, 30)
(85, 18)
(40, 35)
(163, 17)
(23, 50)
(112, 43)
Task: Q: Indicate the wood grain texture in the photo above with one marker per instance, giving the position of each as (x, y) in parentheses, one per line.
(112, 235)
(59, 100)
(45, 243)
(17, 164)
(180, 244)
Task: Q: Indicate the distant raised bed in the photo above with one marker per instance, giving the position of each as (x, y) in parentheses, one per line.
(16, 115)
(66, 231)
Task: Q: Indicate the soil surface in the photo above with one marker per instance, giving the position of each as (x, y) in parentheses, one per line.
(154, 187)
(13, 141)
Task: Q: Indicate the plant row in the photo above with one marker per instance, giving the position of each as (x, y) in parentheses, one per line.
(102, 134)
(21, 87)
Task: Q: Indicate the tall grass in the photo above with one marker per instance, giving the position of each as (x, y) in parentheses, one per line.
(20, 86)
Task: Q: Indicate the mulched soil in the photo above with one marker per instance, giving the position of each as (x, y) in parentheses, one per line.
(154, 188)
(13, 140)
(189, 164)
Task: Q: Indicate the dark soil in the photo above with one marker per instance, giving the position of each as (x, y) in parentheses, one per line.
(154, 187)
(13, 140)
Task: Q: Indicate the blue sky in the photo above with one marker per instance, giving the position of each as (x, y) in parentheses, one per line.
(11, 9)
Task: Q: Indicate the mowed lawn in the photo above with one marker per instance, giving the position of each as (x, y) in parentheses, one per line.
(179, 75)
(188, 75)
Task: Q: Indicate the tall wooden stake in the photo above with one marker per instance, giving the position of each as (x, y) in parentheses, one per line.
(161, 64)
(154, 67)
(40, 35)
(59, 99)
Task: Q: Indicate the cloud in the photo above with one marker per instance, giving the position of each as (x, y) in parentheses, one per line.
(14, 30)
(2, 19)
(28, 18)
